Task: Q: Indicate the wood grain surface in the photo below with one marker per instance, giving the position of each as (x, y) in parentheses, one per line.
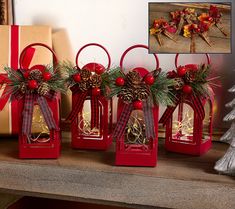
(178, 181)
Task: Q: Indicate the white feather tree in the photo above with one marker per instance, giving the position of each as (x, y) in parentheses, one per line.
(226, 164)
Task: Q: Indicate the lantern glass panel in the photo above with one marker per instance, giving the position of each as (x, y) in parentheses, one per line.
(135, 129)
(40, 131)
(84, 122)
(207, 122)
(183, 123)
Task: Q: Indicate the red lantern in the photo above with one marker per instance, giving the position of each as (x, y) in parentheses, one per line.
(41, 142)
(94, 107)
(133, 147)
(189, 123)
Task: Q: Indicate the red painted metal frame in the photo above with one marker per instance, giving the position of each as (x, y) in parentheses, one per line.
(104, 140)
(134, 154)
(199, 146)
(49, 149)
(45, 150)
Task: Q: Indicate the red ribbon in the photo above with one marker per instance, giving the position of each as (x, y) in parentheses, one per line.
(196, 102)
(95, 113)
(14, 56)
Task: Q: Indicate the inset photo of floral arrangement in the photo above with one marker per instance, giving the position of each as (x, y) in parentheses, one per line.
(190, 27)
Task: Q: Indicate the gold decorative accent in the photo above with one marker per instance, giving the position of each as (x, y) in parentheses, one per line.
(40, 131)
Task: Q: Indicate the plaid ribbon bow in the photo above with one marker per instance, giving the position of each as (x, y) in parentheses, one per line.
(125, 115)
(80, 103)
(29, 101)
(197, 104)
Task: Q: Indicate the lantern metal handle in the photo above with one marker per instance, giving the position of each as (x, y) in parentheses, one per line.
(133, 47)
(177, 57)
(93, 44)
(22, 55)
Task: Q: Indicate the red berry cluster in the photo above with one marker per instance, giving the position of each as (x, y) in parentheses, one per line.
(95, 91)
(32, 83)
(181, 73)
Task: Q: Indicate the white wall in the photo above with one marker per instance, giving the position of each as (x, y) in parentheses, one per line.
(116, 24)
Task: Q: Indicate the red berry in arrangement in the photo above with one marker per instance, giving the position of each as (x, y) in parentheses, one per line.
(96, 91)
(77, 77)
(46, 76)
(181, 71)
(32, 84)
(26, 74)
(187, 89)
(210, 19)
(138, 105)
(165, 24)
(149, 79)
(171, 74)
(120, 81)
(99, 70)
(197, 30)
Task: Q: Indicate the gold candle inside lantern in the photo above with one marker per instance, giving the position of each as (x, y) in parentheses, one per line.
(40, 131)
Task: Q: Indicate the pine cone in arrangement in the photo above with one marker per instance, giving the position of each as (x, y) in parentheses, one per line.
(35, 75)
(189, 77)
(85, 74)
(84, 86)
(179, 83)
(133, 78)
(127, 94)
(23, 88)
(95, 81)
(142, 92)
(43, 89)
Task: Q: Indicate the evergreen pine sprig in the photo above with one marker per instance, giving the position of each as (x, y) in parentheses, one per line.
(109, 79)
(161, 90)
(15, 79)
(200, 83)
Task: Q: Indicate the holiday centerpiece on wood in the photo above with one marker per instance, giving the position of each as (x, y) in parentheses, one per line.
(189, 122)
(36, 89)
(139, 92)
(91, 115)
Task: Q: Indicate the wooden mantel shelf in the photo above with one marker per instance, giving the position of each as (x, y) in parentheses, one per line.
(178, 181)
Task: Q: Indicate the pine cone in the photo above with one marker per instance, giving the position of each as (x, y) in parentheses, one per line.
(133, 78)
(84, 86)
(23, 88)
(179, 83)
(95, 81)
(85, 74)
(43, 89)
(35, 75)
(127, 95)
(189, 77)
(142, 92)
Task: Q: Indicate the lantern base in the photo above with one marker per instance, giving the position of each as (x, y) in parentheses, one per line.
(189, 149)
(91, 144)
(133, 157)
(49, 150)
